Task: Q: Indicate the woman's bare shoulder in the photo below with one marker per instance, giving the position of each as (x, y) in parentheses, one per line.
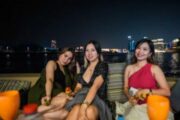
(155, 67)
(129, 67)
(51, 63)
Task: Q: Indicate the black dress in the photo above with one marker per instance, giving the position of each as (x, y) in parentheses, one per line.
(61, 81)
(99, 100)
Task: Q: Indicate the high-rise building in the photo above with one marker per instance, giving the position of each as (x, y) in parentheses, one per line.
(176, 43)
(53, 44)
(131, 44)
(159, 45)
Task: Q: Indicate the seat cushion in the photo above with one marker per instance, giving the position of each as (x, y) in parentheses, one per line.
(116, 67)
(115, 88)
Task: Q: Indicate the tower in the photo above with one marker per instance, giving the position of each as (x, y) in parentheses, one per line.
(131, 43)
(53, 44)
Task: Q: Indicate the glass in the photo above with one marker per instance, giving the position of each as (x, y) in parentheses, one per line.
(158, 107)
(9, 104)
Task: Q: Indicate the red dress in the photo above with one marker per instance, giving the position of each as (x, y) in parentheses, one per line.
(143, 79)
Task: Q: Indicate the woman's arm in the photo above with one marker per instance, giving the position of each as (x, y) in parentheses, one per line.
(77, 88)
(126, 83)
(131, 98)
(161, 80)
(93, 90)
(50, 68)
(163, 89)
(91, 94)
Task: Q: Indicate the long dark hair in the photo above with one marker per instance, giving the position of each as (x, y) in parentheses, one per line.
(98, 49)
(151, 47)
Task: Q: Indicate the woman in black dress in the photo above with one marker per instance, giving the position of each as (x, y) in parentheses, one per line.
(90, 91)
(54, 78)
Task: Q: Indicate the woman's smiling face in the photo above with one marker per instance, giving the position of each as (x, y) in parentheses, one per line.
(91, 53)
(142, 52)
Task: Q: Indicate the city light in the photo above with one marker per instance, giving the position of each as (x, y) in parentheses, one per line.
(129, 37)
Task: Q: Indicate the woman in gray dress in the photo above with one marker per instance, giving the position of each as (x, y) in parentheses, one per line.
(90, 91)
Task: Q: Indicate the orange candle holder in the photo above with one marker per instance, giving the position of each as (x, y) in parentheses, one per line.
(158, 107)
(9, 104)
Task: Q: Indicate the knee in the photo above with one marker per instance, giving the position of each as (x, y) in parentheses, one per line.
(73, 114)
(75, 110)
(92, 112)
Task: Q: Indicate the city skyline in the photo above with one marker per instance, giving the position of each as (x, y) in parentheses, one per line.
(73, 23)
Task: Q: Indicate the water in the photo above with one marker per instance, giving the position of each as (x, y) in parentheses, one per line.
(169, 62)
(27, 62)
(33, 62)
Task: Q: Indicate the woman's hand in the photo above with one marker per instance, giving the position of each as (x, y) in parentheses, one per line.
(142, 94)
(45, 100)
(82, 112)
(133, 100)
(72, 94)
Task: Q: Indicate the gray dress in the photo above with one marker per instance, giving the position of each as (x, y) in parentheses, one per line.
(99, 100)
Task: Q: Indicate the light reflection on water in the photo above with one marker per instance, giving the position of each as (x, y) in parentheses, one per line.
(29, 62)
(169, 62)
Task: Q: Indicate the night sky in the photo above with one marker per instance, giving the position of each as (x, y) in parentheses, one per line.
(74, 22)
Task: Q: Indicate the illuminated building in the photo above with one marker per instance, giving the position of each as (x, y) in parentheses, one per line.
(159, 45)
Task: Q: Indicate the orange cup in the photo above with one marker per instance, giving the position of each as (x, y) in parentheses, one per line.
(158, 107)
(9, 104)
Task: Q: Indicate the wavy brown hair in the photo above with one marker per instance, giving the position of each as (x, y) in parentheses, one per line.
(69, 49)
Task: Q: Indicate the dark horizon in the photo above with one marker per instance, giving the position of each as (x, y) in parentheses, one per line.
(73, 23)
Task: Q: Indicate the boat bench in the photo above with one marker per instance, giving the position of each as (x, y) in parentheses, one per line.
(115, 82)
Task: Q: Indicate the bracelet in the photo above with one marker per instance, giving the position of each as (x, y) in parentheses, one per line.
(86, 102)
(48, 96)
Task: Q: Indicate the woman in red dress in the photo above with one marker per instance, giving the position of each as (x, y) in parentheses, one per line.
(141, 78)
